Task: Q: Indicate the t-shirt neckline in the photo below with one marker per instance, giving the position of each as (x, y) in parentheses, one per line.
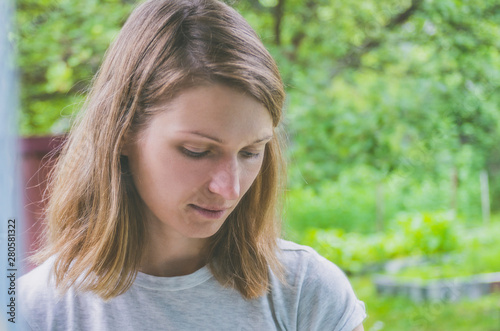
(173, 283)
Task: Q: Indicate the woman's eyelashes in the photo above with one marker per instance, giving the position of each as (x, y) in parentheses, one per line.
(193, 154)
(199, 154)
(249, 155)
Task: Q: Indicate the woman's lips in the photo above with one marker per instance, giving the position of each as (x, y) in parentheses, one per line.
(209, 212)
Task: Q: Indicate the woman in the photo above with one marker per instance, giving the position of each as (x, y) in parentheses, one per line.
(163, 205)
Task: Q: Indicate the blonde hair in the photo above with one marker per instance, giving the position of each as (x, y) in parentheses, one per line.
(95, 215)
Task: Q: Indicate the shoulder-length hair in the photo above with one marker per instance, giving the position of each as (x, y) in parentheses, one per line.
(96, 228)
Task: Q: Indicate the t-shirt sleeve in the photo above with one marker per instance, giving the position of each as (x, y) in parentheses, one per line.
(327, 300)
(317, 296)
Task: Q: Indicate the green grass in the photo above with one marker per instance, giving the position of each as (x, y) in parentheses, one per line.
(401, 314)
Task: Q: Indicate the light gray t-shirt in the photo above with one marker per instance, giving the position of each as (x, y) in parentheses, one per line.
(318, 297)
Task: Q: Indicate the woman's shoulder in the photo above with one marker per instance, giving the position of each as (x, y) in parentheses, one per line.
(318, 288)
(37, 281)
(37, 293)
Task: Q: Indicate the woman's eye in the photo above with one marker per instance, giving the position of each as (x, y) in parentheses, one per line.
(193, 154)
(249, 155)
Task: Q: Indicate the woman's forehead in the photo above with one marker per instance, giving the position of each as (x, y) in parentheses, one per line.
(214, 111)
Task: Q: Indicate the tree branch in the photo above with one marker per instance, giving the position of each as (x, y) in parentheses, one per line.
(404, 16)
(353, 57)
(299, 36)
(278, 18)
(256, 5)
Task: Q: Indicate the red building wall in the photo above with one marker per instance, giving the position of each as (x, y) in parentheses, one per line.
(37, 159)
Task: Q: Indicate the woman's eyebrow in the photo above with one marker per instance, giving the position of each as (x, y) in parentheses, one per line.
(220, 141)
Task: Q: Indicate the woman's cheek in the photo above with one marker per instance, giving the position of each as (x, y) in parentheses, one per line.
(251, 174)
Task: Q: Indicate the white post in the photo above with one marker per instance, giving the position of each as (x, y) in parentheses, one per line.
(10, 213)
(379, 205)
(454, 191)
(485, 196)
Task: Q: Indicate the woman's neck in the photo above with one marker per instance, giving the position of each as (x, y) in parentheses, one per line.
(169, 254)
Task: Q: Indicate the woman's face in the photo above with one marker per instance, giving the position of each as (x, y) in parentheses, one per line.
(198, 157)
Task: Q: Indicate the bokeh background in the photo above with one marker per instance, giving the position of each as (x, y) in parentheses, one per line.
(393, 128)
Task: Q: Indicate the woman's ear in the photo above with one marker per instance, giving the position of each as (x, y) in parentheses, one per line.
(125, 145)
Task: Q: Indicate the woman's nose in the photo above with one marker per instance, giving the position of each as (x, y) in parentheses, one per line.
(225, 180)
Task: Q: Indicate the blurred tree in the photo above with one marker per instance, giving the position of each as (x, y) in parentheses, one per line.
(399, 85)
(61, 44)
(405, 86)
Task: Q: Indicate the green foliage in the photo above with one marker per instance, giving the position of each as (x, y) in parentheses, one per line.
(428, 234)
(370, 89)
(453, 249)
(468, 263)
(352, 252)
(399, 313)
(347, 204)
(61, 44)
(477, 253)
(350, 203)
(421, 234)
